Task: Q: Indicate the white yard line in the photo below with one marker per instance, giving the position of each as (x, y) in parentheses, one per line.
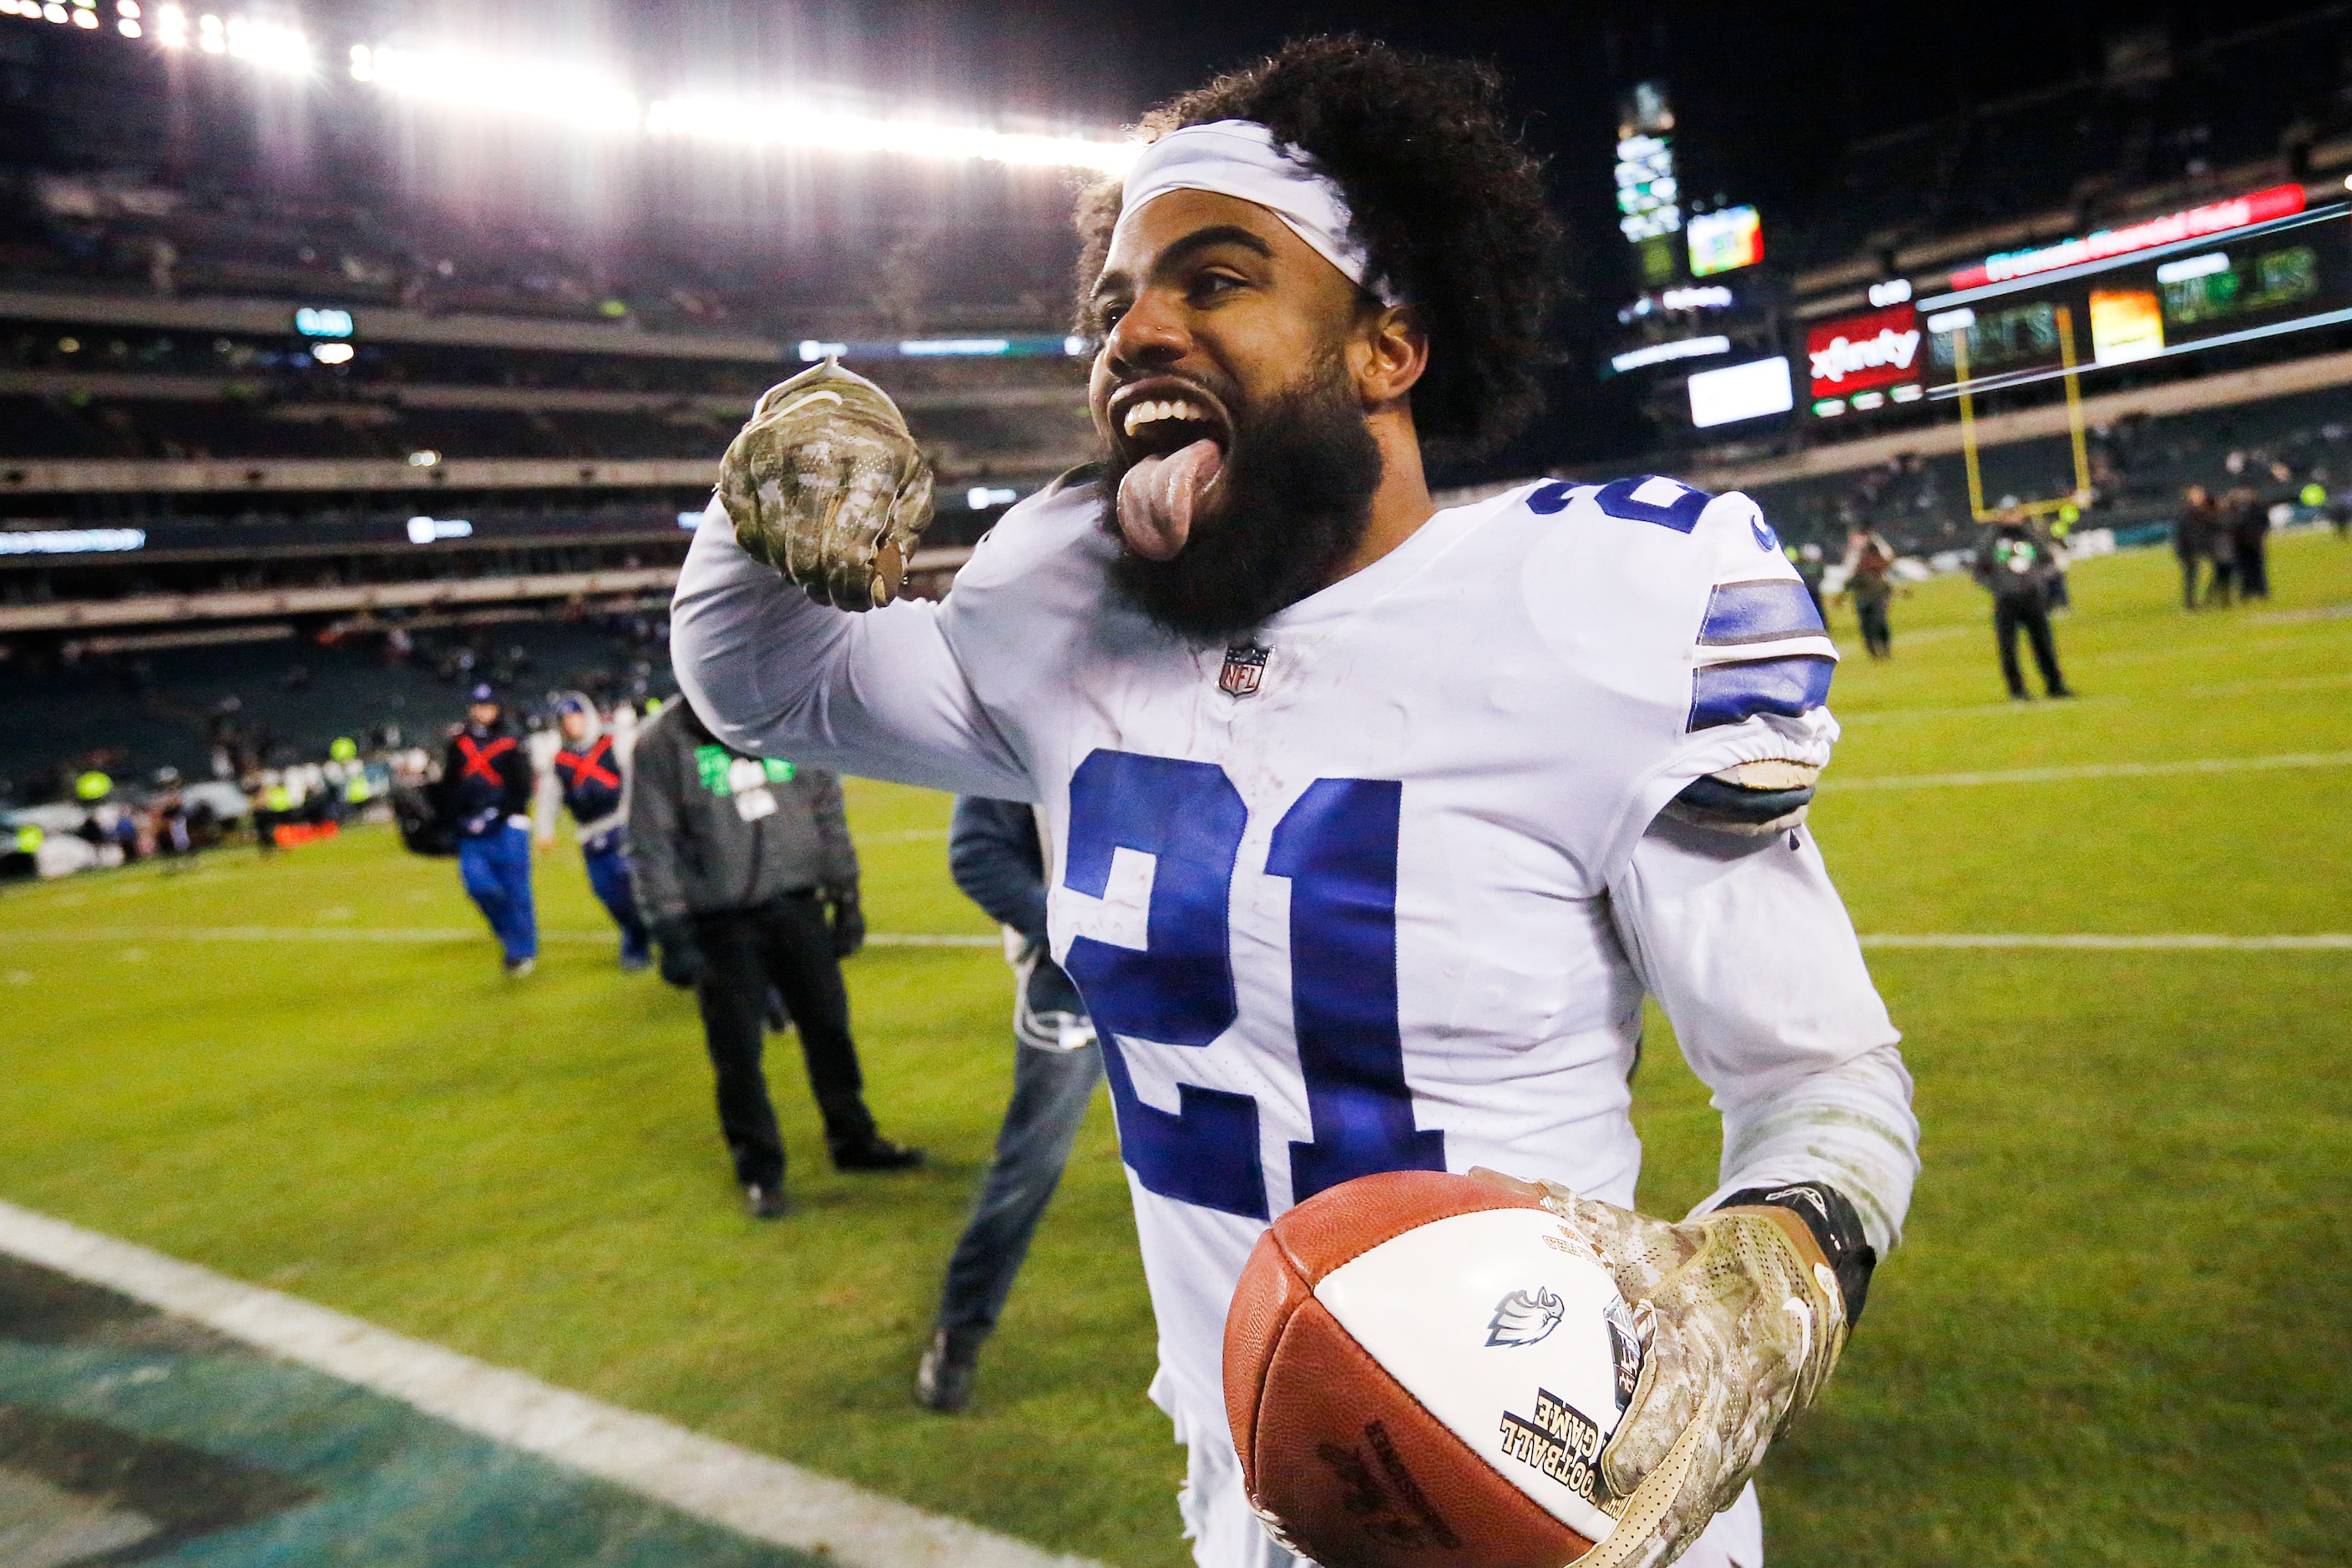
(403, 934)
(2009, 708)
(756, 1496)
(2337, 942)
(2095, 770)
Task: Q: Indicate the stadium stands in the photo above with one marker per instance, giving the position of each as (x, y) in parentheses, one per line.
(153, 701)
(2161, 124)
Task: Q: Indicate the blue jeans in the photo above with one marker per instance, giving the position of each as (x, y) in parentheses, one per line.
(608, 874)
(495, 869)
(1050, 1093)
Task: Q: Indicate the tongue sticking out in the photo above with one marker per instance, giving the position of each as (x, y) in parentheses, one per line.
(1158, 495)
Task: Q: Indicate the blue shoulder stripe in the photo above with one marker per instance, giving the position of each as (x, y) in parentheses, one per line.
(1731, 693)
(1767, 611)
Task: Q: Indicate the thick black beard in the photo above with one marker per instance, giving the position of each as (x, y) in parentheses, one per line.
(1298, 486)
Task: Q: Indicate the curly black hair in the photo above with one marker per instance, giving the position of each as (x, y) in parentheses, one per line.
(1448, 206)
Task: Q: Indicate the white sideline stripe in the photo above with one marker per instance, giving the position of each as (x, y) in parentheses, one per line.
(405, 934)
(749, 1493)
(2096, 771)
(2321, 941)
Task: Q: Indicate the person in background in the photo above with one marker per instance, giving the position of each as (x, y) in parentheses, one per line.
(273, 801)
(588, 771)
(995, 857)
(1869, 559)
(2193, 531)
(736, 861)
(486, 781)
(170, 804)
(2222, 550)
(2015, 566)
(2248, 525)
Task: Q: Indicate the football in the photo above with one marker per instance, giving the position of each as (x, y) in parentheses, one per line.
(1422, 1369)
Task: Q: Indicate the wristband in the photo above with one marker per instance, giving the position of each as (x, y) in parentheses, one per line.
(1837, 1230)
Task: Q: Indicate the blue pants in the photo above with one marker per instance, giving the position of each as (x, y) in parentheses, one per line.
(496, 868)
(1050, 1092)
(608, 874)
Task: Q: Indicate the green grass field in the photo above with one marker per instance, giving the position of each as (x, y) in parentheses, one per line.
(2119, 1332)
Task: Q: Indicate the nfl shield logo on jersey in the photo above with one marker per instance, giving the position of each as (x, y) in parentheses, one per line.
(1245, 667)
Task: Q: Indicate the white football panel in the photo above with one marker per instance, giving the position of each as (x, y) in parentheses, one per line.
(1424, 1304)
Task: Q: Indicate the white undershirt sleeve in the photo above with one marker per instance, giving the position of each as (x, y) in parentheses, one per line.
(1748, 947)
(878, 694)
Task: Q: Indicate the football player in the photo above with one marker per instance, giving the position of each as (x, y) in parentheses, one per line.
(486, 781)
(587, 770)
(1368, 824)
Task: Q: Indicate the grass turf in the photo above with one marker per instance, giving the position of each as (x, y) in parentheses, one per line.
(2116, 1331)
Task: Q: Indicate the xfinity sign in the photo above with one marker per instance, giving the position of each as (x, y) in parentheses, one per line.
(1865, 353)
(1889, 349)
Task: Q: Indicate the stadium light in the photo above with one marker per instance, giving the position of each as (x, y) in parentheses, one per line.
(266, 44)
(1677, 348)
(576, 98)
(784, 124)
(70, 540)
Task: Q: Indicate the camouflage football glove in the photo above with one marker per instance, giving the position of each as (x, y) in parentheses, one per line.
(1742, 1317)
(826, 485)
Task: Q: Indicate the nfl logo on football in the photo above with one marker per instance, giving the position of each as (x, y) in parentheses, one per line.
(1245, 667)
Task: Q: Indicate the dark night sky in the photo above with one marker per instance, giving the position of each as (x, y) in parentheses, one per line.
(1766, 93)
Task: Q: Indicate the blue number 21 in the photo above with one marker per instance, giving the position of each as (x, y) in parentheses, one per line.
(1338, 845)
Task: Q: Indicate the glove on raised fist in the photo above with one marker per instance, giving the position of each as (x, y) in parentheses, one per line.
(825, 484)
(1743, 1320)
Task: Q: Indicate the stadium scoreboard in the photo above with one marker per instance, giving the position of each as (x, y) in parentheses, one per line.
(2288, 275)
(2255, 267)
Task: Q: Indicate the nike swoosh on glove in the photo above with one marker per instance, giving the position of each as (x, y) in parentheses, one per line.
(825, 484)
(1742, 1320)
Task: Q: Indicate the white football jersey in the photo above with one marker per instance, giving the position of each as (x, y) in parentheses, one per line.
(1337, 895)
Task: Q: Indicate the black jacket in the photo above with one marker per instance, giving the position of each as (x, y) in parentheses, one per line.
(486, 778)
(711, 829)
(2017, 564)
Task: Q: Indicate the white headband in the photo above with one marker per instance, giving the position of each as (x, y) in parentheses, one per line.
(1239, 158)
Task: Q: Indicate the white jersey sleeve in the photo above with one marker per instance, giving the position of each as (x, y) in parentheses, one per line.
(881, 694)
(1748, 947)
(1687, 644)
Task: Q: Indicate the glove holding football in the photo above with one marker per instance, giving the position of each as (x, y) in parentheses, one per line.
(1744, 1316)
(825, 484)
